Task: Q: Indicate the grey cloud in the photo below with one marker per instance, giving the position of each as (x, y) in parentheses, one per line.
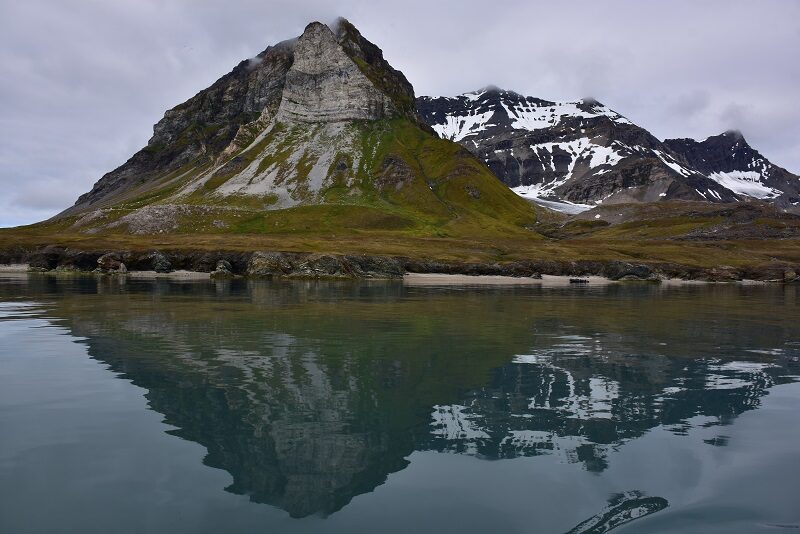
(253, 62)
(689, 105)
(47, 194)
(83, 82)
(734, 114)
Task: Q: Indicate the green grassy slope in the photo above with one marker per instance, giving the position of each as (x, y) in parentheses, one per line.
(387, 175)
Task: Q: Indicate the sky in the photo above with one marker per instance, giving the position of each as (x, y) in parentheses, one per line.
(83, 81)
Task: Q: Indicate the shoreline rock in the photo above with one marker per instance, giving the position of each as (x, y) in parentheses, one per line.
(271, 264)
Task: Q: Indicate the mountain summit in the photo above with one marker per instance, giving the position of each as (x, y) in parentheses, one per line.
(340, 77)
(728, 159)
(309, 124)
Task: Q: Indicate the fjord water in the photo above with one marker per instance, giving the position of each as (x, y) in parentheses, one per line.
(167, 406)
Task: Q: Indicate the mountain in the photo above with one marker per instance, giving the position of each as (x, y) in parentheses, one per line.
(575, 152)
(317, 133)
(731, 161)
(574, 155)
(315, 158)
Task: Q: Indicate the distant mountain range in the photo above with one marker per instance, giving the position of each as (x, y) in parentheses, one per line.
(572, 156)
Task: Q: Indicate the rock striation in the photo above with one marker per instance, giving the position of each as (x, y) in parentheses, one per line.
(326, 75)
(324, 84)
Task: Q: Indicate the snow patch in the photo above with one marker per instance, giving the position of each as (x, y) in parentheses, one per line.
(578, 150)
(745, 183)
(672, 164)
(457, 128)
(536, 116)
(524, 115)
(563, 206)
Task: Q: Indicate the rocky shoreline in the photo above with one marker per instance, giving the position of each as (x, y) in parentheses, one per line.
(263, 264)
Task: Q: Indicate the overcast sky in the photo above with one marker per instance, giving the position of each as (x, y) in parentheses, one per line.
(83, 81)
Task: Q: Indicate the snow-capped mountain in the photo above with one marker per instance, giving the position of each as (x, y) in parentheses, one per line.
(574, 155)
(728, 159)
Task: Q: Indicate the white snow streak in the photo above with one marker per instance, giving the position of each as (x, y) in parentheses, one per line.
(745, 183)
(457, 128)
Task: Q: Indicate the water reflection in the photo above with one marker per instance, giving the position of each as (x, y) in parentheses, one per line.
(582, 406)
(309, 394)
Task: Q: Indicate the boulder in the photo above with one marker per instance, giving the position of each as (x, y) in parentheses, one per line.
(620, 270)
(222, 270)
(46, 258)
(327, 266)
(268, 264)
(109, 262)
(159, 262)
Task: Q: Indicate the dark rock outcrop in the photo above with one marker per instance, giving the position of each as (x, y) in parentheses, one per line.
(159, 261)
(275, 264)
(111, 263)
(729, 158)
(352, 267)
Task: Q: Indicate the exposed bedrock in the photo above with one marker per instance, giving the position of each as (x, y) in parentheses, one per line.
(325, 85)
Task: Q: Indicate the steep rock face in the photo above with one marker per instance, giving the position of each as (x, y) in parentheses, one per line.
(579, 152)
(728, 159)
(325, 84)
(370, 60)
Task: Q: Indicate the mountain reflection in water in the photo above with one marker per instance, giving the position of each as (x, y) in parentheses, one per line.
(311, 393)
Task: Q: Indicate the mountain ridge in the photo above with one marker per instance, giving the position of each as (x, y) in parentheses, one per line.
(573, 155)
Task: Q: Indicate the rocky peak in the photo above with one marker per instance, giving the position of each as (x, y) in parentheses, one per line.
(370, 60)
(337, 75)
(732, 139)
(725, 152)
(728, 159)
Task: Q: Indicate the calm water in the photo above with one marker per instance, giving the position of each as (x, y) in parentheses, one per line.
(157, 406)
